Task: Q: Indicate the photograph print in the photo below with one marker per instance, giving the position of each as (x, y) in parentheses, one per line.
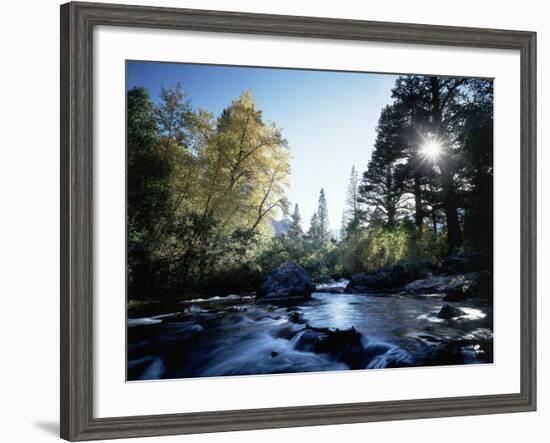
(288, 220)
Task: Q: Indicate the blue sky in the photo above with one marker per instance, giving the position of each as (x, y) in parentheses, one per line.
(329, 118)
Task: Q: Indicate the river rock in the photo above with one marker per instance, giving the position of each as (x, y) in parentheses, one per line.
(362, 282)
(379, 280)
(296, 317)
(393, 358)
(388, 279)
(344, 345)
(476, 284)
(307, 339)
(456, 287)
(289, 280)
(447, 312)
(434, 285)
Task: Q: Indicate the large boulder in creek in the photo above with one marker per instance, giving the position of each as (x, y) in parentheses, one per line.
(475, 285)
(296, 317)
(366, 281)
(344, 345)
(447, 312)
(289, 280)
(434, 285)
(456, 287)
(387, 279)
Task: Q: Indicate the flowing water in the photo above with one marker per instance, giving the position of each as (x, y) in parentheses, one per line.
(236, 336)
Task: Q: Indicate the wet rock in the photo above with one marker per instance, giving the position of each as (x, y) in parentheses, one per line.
(289, 280)
(307, 340)
(475, 285)
(236, 309)
(387, 279)
(456, 287)
(393, 358)
(448, 311)
(434, 285)
(296, 317)
(369, 281)
(335, 340)
(343, 345)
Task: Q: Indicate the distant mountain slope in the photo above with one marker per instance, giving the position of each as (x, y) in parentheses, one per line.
(280, 227)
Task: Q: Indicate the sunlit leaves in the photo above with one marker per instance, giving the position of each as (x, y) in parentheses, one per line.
(201, 188)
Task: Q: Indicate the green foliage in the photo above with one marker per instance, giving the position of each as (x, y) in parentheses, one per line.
(295, 228)
(382, 188)
(457, 179)
(320, 259)
(322, 215)
(148, 192)
(351, 218)
(201, 192)
(314, 230)
(381, 246)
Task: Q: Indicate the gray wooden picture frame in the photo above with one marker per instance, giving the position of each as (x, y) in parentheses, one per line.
(77, 23)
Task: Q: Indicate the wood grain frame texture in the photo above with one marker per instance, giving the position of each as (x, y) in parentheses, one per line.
(77, 23)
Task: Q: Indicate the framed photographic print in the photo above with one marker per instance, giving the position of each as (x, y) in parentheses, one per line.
(272, 221)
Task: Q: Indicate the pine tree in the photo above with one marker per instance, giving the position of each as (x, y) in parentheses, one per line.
(295, 228)
(435, 100)
(476, 135)
(351, 215)
(322, 214)
(344, 226)
(382, 188)
(314, 227)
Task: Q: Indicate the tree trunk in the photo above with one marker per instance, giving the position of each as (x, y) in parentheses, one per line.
(449, 190)
(454, 238)
(391, 218)
(418, 213)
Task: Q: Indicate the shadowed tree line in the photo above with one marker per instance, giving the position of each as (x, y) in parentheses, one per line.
(434, 147)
